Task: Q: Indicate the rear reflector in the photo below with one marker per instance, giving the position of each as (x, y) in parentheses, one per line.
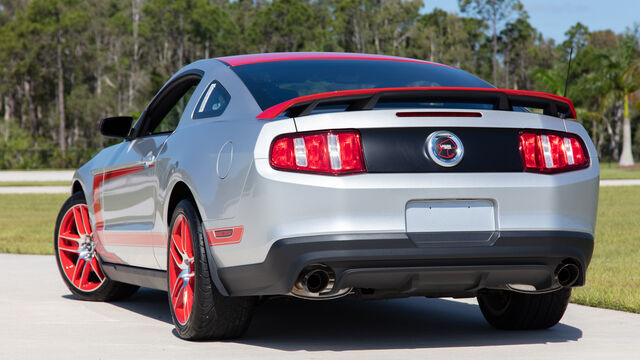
(552, 152)
(438, 114)
(325, 152)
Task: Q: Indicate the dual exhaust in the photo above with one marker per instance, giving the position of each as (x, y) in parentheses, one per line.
(317, 281)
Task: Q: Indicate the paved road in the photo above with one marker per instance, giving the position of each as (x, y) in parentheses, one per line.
(40, 175)
(40, 320)
(35, 189)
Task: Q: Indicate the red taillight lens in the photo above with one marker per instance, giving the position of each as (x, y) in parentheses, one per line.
(552, 152)
(325, 152)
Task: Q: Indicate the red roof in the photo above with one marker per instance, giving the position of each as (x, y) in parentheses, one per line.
(258, 58)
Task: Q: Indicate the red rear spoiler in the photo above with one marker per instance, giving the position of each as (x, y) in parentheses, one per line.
(365, 99)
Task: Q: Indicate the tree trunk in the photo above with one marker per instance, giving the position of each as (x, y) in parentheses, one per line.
(495, 50)
(8, 114)
(506, 69)
(135, 14)
(180, 40)
(31, 109)
(98, 73)
(432, 47)
(61, 133)
(626, 158)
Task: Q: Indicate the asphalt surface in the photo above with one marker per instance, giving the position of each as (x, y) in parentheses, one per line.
(41, 320)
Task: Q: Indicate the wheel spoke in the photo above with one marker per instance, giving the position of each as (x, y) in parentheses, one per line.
(186, 300)
(64, 247)
(70, 237)
(84, 212)
(183, 235)
(77, 271)
(177, 286)
(177, 303)
(174, 256)
(84, 278)
(96, 268)
(78, 220)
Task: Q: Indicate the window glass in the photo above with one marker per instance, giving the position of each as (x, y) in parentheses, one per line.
(274, 82)
(170, 122)
(213, 102)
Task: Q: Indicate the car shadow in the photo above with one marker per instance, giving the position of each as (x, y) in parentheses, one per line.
(147, 302)
(291, 324)
(352, 324)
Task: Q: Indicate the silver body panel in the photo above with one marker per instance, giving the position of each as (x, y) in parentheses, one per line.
(224, 162)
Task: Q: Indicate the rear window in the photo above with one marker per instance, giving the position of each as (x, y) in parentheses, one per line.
(274, 82)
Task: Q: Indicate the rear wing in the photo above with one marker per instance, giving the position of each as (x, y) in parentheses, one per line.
(366, 99)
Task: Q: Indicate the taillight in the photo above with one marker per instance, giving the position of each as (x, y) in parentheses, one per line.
(552, 152)
(326, 152)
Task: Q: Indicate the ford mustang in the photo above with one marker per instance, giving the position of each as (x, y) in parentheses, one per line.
(322, 175)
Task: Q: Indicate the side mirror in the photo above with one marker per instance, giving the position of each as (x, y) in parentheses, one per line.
(116, 127)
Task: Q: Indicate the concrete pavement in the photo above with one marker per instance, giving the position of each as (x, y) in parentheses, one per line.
(35, 189)
(36, 175)
(41, 320)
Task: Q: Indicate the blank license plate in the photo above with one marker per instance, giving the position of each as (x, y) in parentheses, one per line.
(450, 215)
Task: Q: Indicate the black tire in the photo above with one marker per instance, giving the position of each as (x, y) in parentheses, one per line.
(212, 315)
(510, 310)
(107, 290)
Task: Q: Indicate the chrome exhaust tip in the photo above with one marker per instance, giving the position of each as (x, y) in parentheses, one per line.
(567, 274)
(317, 281)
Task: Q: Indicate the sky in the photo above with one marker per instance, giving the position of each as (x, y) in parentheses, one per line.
(554, 17)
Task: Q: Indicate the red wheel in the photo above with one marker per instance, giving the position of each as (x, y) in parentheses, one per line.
(76, 250)
(198, 310)
(181, 270)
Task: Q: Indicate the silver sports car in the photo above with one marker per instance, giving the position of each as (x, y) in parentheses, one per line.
(321, 175)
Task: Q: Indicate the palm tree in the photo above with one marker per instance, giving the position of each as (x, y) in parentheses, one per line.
(622, 74)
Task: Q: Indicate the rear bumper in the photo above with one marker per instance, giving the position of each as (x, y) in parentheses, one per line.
(401, 264)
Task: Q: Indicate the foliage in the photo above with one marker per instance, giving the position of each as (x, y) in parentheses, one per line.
(65, 64)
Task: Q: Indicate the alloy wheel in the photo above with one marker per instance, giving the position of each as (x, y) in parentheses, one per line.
(77, 250)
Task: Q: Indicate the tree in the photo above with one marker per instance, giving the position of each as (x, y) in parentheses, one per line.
(494, 12)
(516, 39)
(623, 76)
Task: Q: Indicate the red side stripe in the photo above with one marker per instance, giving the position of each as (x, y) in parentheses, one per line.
(98, 180)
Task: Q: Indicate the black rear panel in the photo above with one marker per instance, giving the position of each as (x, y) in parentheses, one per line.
(403, 150)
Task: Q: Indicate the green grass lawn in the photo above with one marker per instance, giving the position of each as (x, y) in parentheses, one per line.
(613, 279)
(610, 171)
(27, 221)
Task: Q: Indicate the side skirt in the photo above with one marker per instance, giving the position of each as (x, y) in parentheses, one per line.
(155, 279)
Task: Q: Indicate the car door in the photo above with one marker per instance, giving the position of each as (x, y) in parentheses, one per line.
(129, 188)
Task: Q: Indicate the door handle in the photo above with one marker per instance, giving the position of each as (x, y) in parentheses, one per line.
(148, 160)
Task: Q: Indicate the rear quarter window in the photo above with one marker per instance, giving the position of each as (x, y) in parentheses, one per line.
(213, 101)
